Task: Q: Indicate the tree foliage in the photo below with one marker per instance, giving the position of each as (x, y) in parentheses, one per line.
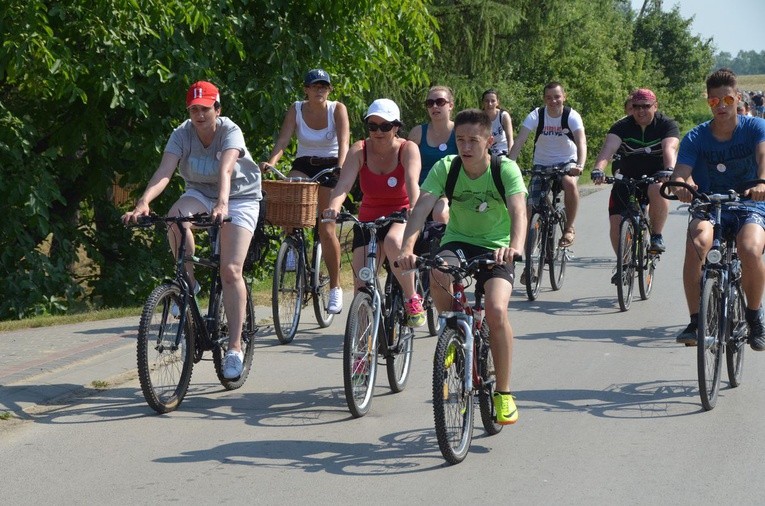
(745, 63)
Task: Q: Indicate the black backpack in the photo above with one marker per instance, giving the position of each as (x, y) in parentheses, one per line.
(454, 172)
(563, 122)
(260, 238)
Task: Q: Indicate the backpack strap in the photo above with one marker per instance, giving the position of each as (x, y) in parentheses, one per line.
(454, 172)
(563, 122)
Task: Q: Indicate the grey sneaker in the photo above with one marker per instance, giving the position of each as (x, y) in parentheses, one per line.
(657, 244)
(233, 363)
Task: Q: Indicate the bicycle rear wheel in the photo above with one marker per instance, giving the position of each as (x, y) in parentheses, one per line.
(398, 361)
(452, 405)
(710, 342)
(488, 383)
(359, 355)
(646, 263)
(535, 255)
(736, 331)
(320, 287)
(558, 257)
(164, 367)
(287, 293)
(625, 264)
(221, 337)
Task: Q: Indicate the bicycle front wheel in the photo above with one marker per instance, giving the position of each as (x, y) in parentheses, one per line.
(488, 375)
(736, 331)
(360, 355)
(165, 350)
(625, 264)
(398, 361)
(710, 342)
(558, 256)
(287, 293)
(221, 337)
(452, 405)
(535, 255)
(646, 263)
(320, 287)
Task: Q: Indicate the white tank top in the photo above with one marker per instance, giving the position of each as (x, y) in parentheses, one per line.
(312, 142)
(498, 131)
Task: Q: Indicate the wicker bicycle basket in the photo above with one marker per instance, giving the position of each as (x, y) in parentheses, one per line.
(291, 204)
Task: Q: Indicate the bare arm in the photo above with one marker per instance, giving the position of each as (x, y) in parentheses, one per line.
(581, 147)
(342, 125)
(516, 208)
(758, 192)
(507, 126)
(412, 166)
(607, 152)
(415, 134)
(669, 147)
(285, 136)
(523, 134)
(348, 175)
(156, 186)
(227, 162)
(406, 258)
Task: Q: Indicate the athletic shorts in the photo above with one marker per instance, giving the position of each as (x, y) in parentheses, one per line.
(363, 236)
(243, 212)
(312, 165)
(536, 187)
(506, 271)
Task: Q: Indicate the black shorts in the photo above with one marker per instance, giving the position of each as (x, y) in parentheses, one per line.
(312, 165)
(619, 200)
(363, 236)
(506, 271)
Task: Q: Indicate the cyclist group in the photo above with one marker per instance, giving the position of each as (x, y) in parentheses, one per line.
(394, 173)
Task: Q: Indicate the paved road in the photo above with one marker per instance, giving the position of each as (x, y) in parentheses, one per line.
(609, 413)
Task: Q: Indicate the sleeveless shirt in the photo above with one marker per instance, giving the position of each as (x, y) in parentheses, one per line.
(312, 142)
(429, 155)
(383, 193)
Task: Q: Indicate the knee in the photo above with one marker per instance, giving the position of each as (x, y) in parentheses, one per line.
(230, 273)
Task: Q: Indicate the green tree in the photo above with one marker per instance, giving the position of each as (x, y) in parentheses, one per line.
(89, 94)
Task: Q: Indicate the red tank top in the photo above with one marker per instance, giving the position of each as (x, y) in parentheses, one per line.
(383, 193)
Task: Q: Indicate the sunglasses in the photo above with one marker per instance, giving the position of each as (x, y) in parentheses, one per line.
(727, 100)
(440, 102)
(642, 106)
(383, 127)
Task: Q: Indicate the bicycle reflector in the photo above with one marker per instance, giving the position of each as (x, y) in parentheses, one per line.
(365, 274)
(714, 256)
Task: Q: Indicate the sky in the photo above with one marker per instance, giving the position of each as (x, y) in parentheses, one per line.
(713, 19)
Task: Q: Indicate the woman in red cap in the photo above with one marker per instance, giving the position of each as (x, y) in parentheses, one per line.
(221, 179)
(323, 133)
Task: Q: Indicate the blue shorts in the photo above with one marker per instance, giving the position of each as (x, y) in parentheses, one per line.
(734, 217)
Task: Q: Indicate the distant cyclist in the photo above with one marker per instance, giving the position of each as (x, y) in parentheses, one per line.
(646, 142)
(481, 220)
(717, 156)
(559, 139)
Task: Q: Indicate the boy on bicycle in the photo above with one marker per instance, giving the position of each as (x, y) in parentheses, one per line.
(718, 156)
(481, 220)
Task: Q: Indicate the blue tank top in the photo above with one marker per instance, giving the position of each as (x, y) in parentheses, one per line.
(429, 155)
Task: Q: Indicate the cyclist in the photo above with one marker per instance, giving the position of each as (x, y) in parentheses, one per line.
(560, 139)
(481, 220)
(646, 142)
(717, 156)
(436, 138)
(501, 122)
(221, 179)
(388, 168)
(323, 131)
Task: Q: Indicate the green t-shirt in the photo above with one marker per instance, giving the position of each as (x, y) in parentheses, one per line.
(478, 214)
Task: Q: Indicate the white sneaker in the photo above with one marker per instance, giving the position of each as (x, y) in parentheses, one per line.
(291, 261)
(175, 311)
(335, 305)
(233, 363)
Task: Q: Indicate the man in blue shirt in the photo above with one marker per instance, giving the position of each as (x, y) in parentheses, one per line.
(718, 156)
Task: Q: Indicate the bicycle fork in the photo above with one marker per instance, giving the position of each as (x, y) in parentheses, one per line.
(464, 323)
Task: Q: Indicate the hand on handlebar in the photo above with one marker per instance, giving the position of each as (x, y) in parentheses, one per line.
(598, 176)
(131, 217)
(506, 255)
(573, 170)
(682, 194)
(756, 193)
(265, 167)
(329, 215)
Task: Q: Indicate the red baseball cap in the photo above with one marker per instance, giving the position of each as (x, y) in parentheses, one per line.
(644, 94)
(202, 93)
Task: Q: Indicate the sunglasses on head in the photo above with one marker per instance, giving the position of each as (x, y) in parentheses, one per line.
(440, 102)
(727, 100)
(642, 106)
(383, 127)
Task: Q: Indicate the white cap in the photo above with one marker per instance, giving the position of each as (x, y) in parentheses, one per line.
(384, 108)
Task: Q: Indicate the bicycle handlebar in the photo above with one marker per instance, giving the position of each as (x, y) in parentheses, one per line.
(731, 196)
(641, 181)
(550, 170)
(201, 220)
(396, 217)
(317, 177)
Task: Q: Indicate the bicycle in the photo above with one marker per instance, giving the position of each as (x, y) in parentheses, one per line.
(296, 281)
(374, 310)
(721, 321)
(168, 345)
(427, 245)
(546, 227)
(462, 365)
(633, 255)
